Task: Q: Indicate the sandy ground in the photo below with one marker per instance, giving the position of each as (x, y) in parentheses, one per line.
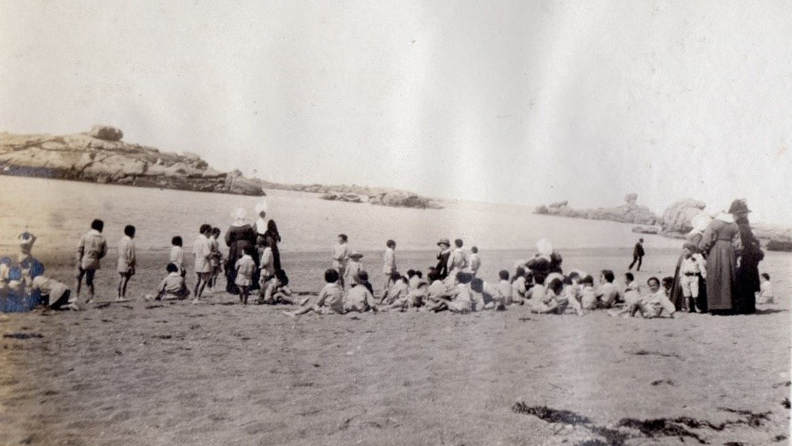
(147, 373)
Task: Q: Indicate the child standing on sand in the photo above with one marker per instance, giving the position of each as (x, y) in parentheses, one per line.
(177, 254)
(126, 261)
(340, 254)
(330, 299)
(693, 266)
(245, 268)
(475, 261)
(90, 252)
(588, 296)
(458, 261)
(353, 267)
(202, 248)
(389, 266)
(216, 259)
(765, 295)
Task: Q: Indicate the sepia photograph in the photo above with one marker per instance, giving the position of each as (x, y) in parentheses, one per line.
(413, 222)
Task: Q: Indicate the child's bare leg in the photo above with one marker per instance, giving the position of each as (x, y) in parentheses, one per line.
(301, 311)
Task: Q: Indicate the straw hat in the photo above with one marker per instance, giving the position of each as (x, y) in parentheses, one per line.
(444, 241)
(355, 255)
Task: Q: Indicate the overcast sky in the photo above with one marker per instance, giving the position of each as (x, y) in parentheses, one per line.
(506, 101)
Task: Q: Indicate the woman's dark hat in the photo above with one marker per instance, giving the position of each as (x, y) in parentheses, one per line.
(444, 241)
(739, 206)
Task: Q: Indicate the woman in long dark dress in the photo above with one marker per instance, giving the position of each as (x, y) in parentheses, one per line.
(239, 236)
(747, 275)
(721, 241)
(442, 258)
(265, 229)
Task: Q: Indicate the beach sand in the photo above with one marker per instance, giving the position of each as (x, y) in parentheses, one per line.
(217, 373)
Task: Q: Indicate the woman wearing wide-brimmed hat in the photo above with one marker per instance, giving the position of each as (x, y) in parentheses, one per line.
(747, 274)
(442, 258)
(721, 242)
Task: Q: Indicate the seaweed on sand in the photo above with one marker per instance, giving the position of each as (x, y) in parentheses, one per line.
(550, 415)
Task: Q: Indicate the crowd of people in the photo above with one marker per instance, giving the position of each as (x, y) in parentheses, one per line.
(717, 272)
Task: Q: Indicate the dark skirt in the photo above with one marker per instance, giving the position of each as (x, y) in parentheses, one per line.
(720, 277)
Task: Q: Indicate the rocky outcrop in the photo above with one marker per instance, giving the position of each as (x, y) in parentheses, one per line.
(403, 200)
(349, 198)
(631, 212)
(646, 230)
(100, 156)
(351, 193)
(677, 217)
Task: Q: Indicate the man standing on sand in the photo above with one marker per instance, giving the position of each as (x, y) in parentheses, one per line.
(638, 253)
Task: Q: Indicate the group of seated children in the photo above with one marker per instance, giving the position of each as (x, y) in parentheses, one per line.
(543, 294)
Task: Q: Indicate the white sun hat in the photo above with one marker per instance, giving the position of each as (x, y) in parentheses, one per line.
(261, 206)
(239, 215)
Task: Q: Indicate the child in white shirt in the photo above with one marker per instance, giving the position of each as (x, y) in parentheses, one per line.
(340, 254)
(177, 254)
(245, 268)
(693, 266)
(765, 295)
(330, 299)
(126, 261)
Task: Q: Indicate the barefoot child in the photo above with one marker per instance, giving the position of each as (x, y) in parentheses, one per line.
(172, 286)
(54, 294)
(519, 289)
(126, 261)
(202, 248)
(340, 254)
(266, 261)
(90, 252)
(651, 306)
(216, 259)
(330, 299)
(245, 268)
(389, 266)
(277, 290)
(553, 301)
(588, 296)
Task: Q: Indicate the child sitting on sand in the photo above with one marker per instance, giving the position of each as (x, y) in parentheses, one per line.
(397, 291)
(571, 292)
(608, 293)
(177, 254)
(54, 294)
(554, 301)
(330, 299)
(588, 296)
(504, 287)
(519, 289)
(126, 261)
(276, 290)
(486, 296)
(458, 299)
(765, 295)
(651, 306)
(245, 268)
(537, 292)
(360, 298)
(172, 286)
(629, 283)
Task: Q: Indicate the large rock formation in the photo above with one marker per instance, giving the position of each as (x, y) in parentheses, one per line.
(100, 156)
(676, 218)
(630, 212)
(361, 194)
